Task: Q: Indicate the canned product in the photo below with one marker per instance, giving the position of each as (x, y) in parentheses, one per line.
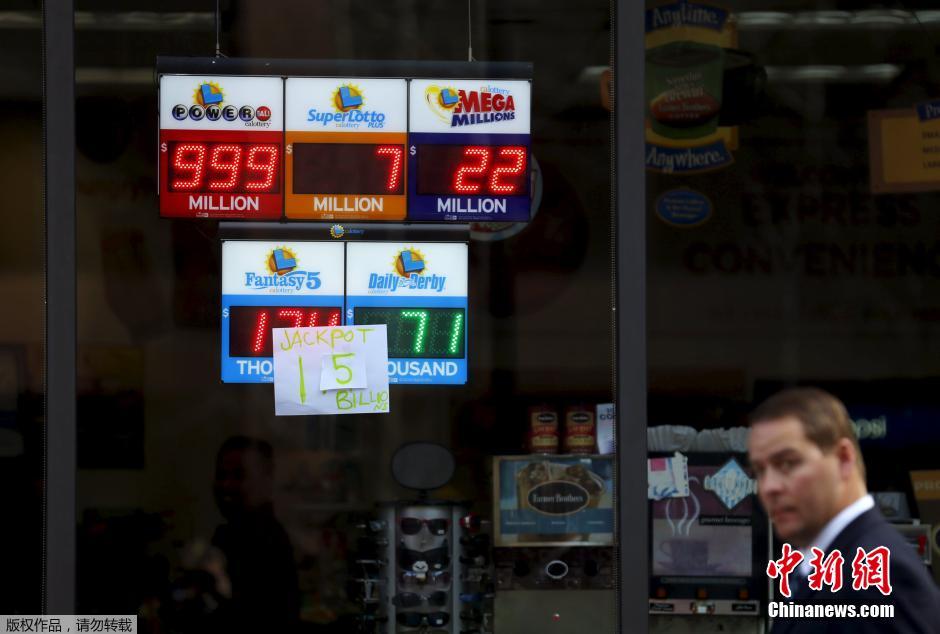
(543, 429)
(580, 430)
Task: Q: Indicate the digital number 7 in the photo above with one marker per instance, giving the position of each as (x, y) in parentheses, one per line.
(342, 366)
(395, 166)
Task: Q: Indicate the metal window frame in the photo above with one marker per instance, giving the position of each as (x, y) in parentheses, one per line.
(628, 181)
(629, 187)
(59, 468)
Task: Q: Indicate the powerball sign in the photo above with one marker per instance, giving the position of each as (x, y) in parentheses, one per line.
(221, 146)
(419, 291)
(268, 285)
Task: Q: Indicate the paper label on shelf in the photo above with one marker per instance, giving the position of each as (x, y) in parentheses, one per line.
(667, 477)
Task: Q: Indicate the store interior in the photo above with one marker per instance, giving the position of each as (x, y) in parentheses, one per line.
(797, 274)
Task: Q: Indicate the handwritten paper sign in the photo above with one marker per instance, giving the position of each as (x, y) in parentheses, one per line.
(331, 370)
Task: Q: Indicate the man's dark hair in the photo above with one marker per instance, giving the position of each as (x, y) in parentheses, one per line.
(824, 418)
(246, 443)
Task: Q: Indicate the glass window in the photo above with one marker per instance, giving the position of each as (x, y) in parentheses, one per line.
(481, 504)
(790, 242)
(22, 284)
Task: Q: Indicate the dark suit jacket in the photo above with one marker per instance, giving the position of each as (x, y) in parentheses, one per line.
(914, 595)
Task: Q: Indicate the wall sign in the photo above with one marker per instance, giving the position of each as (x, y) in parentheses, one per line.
(345, 147)
(903, 149)
(553, 500)
(221, 146)
(468, 150)
(268, 285)
(419, 290)
(330, 370)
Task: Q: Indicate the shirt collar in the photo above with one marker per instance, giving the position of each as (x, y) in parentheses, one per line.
(835, 526)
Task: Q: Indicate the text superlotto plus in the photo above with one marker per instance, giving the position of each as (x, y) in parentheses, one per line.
(353, 141)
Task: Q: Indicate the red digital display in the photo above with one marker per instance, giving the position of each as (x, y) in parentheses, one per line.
(472, 170)
(348, 168)
(223, 168)
(250, 326)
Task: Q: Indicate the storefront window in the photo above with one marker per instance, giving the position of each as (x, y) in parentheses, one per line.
(483, 500)
(790, 241)
(22, 282)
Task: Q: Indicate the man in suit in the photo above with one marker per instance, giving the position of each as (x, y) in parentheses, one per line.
(811, 481)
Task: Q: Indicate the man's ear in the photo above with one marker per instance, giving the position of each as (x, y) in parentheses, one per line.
(845, 453)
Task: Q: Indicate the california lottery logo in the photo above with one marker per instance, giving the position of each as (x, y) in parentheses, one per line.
(347, 97)
(208, 94)
(282, 261)
(459, 108)
(339, 231)
(410, 268)
(409, 262)
(348, 101)
(209, 103)
(284, 277)
(442, 101)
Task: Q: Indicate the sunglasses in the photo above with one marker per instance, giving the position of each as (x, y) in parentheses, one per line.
(412, 525)
(416, 579)
(366, 590)
(417, 619)
(472, 614)
(373, 526)
(434, 559)
(476, 560)
(476, 541)
(413, 600)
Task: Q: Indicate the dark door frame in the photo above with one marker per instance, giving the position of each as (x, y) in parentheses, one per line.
(59, 466)
(629, 198)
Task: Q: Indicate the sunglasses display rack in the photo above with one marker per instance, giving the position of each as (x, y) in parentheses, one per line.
(435, 576)
(367, 580)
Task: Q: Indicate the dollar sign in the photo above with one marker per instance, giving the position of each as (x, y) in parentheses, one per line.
(414, 150)
(163, 147)
(290, 148)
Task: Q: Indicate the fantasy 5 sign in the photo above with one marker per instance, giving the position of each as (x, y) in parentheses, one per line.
(267, 285)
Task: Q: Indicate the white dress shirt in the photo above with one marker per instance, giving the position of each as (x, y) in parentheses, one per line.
(835, 526)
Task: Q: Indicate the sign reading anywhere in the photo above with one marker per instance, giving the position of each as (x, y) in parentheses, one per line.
(331, 370)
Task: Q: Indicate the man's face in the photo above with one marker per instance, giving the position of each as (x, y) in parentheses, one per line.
(241, 482)
(798, 484)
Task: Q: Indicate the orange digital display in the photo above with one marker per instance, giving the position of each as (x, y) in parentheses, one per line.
(340, 176)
